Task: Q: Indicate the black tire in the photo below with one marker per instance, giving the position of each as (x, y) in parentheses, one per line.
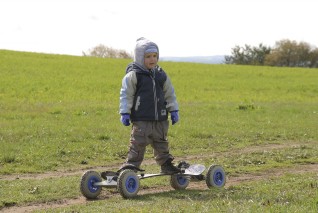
(128, 184)
(179, 182)
(215, 177)
(88, 189)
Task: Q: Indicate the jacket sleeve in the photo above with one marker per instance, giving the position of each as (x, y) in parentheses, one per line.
(170, 96)
(127, 92)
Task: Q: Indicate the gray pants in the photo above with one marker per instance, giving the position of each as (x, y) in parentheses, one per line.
(144, 133)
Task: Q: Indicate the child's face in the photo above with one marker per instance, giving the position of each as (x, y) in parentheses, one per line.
(150, 60)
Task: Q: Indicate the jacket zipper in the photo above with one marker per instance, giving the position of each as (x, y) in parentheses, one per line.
(155, 95)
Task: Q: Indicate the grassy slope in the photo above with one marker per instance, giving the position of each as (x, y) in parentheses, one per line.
(60, 112)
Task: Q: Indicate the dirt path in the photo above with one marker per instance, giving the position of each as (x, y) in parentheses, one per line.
(64, 173)
(231, 181)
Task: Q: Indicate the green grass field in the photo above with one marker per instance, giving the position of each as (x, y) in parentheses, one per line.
(59, 114)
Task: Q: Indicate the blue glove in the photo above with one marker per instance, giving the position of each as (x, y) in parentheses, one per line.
(174, 116)
(125, 117)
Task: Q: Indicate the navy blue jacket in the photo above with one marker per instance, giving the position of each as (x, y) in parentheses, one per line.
(147, 95)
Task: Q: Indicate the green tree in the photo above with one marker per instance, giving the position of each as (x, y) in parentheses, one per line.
(259, 54)
(248, 55)
(313, 58)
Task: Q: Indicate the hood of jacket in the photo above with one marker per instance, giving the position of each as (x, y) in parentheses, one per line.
(144, 46)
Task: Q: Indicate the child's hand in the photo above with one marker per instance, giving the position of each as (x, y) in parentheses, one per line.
(125, 117)
(174, 117)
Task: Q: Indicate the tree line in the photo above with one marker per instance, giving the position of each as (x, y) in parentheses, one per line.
(285, 53)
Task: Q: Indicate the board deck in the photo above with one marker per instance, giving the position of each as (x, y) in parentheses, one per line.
(193, 170)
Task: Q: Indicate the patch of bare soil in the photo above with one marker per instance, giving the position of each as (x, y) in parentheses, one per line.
(57, 174)
(106, 194)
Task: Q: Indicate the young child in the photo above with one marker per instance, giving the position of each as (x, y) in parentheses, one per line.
(146, 98)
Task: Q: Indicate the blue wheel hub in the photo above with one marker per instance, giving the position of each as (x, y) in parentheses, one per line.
(131, 184)
(218, 177)
(181, 180)
(91, 184)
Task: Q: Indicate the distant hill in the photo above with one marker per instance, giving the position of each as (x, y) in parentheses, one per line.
(217, 59)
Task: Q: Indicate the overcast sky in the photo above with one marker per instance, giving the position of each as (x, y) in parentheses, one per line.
(179, 27)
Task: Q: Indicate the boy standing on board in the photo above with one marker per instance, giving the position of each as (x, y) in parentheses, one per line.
(146, 98)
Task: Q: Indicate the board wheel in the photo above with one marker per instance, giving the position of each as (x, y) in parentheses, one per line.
(179, 182)
(215, 177)
(128, 184)
(87, 186)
